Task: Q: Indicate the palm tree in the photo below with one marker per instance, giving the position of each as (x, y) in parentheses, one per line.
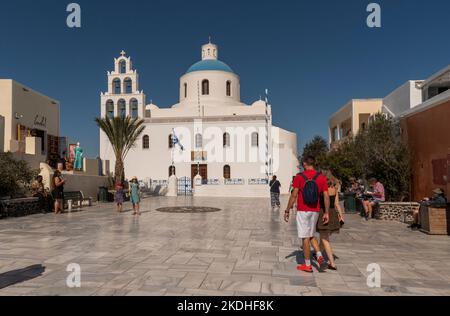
(122, 133)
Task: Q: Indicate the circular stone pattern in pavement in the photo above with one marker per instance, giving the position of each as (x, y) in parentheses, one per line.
(188, 209)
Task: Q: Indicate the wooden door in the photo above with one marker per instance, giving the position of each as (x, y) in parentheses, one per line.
(202, 169)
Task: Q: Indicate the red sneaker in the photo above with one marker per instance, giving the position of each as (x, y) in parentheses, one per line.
(305, 268)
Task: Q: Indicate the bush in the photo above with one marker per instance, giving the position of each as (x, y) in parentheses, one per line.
(16, 176)
(375, 152)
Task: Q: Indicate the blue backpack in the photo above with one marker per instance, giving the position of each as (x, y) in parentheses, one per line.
(310, 191)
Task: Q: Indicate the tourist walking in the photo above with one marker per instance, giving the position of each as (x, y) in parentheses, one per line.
(334, 223)
(119, 196)
(135, 195)
(58, 191)
(39, 191)
(275, 193)
(374, 197)
(307, 189)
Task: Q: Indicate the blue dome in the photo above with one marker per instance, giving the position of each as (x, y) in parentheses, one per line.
(211, 64)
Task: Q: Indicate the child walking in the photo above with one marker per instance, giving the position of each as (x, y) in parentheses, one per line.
(119, 196)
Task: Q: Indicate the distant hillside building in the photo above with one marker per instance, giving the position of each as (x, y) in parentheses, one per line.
(351, 118)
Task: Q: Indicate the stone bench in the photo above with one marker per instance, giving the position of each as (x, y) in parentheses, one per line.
(20, 207)
(397, 211)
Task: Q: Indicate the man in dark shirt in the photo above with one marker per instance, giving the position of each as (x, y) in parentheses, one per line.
(275, 192)
(438, 200)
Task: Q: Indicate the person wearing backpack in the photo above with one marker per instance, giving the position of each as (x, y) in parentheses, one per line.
(308, 186)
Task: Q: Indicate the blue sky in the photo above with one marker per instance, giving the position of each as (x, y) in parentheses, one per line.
(314, 56)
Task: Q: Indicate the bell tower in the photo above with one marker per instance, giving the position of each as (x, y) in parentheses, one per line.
(123, 97)
(210, 51)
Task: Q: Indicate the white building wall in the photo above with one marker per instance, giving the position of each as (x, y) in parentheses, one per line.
(217, 89)
(245, 161)
(405, 97)
(285, 164)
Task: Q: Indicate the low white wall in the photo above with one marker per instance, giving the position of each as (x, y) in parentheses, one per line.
(262, 191)
(88, 184)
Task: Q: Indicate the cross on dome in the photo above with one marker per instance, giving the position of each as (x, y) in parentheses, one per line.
(123, 53)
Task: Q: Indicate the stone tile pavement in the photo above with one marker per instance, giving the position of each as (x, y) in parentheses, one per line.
(246, 249)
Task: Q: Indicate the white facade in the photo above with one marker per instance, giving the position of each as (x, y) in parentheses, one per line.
(404, 98)
(234, 146)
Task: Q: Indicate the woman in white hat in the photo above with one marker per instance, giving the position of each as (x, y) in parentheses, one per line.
(135, 195)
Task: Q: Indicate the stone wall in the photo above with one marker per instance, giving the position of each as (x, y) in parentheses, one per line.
(401, 212)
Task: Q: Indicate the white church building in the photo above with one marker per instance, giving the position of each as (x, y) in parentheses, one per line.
(210, 143)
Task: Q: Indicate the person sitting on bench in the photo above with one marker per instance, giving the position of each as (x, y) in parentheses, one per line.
(374, 197)
(437, 200)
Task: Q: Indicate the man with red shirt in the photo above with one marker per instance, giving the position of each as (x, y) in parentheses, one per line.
(308, 214)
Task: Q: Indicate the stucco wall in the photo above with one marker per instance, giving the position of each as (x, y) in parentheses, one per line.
(403, 98)
(352, 112)
(427, 135)
(260, 191)
(31, 107)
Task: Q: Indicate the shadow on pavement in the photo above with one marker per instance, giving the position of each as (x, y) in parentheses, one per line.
(18, 276)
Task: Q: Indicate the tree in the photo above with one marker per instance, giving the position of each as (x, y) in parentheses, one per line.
(375, 152)
(317, 147)
(122, 133)
(388, 158)
(16, 176)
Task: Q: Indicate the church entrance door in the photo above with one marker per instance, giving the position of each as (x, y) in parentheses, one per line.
(199, 169)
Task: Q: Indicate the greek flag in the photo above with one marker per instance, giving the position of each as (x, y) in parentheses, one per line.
(176, 141)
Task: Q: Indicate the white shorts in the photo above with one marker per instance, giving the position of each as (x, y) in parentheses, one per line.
(307, 224)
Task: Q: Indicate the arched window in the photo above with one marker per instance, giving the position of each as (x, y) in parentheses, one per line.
(116, 86)
(198, 141)
(122, 108)
(205, 87)
(255, 139)
(134, 108)
(170, 141)
(110, 108)
(227, 172)
(172, 171)
(228, 88)
(123, 66)
(146, 142)
(185, 90)
(128, 85)
(226, 140)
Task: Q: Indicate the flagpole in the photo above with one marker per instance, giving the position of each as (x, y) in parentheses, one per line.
(173, 146)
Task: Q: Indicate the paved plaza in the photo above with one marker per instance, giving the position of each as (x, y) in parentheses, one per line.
(245, 249)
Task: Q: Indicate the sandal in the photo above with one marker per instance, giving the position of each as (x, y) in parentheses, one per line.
(330, 267)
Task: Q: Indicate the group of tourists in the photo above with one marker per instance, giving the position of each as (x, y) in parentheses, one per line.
(134, 193)
(53, 200)
(370, 194)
